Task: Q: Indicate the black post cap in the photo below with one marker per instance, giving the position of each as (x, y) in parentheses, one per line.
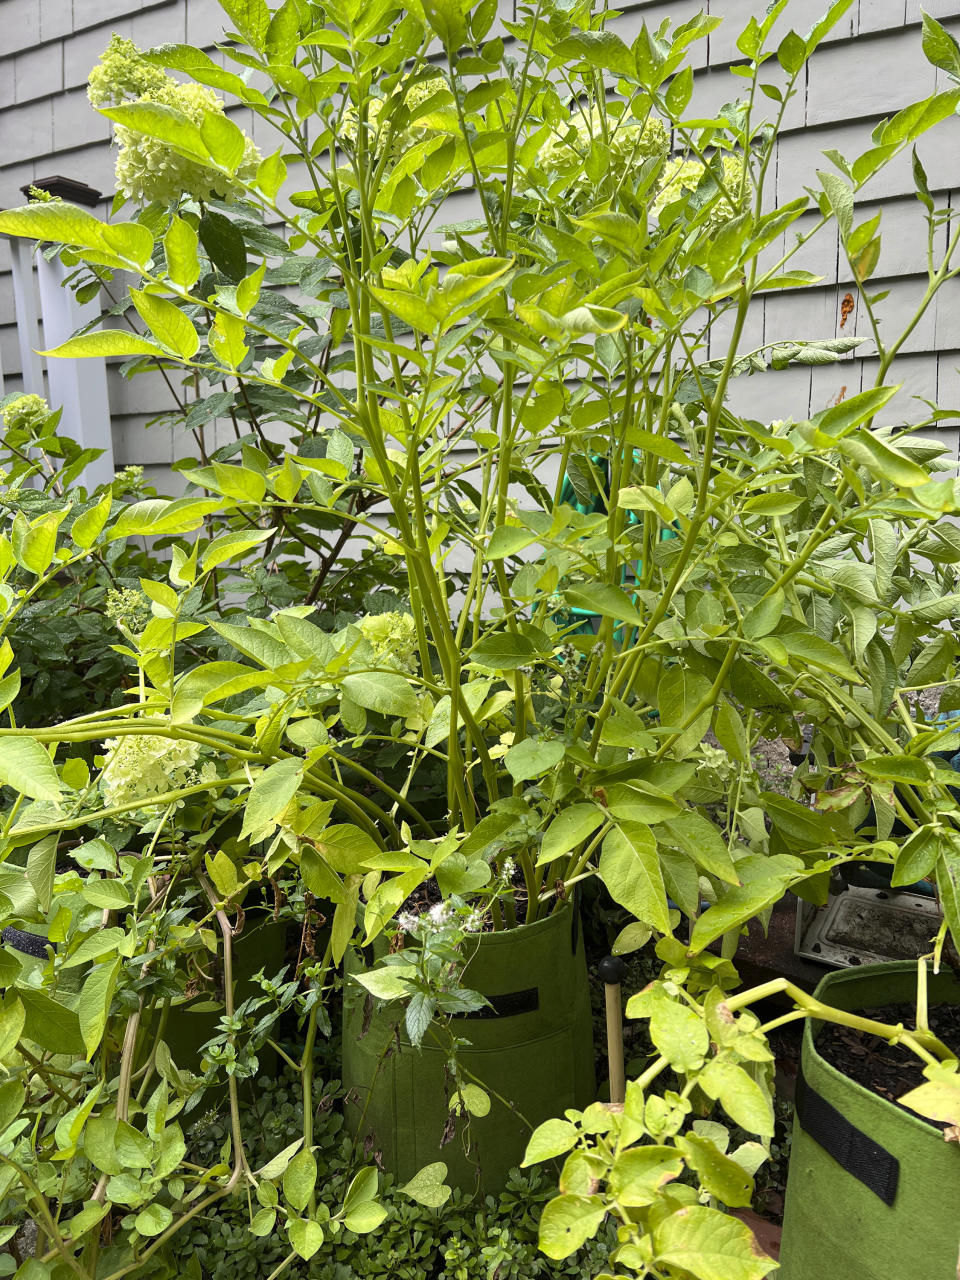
(612, 970)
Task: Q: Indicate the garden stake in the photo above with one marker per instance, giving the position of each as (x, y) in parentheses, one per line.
(612, 971)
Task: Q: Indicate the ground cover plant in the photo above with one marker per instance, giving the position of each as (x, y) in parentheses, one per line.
(595, 563)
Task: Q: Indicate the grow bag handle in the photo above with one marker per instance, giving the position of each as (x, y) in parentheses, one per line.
(31, 944)
(852, 1149)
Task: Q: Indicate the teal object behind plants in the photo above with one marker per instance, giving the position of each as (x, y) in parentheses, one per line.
(539, 1059)
(836, 1226)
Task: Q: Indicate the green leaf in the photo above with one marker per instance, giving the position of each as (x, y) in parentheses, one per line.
(605, 600)
(508, 540)
(49, 1023)
(300, 1180)
(428, 1186)
(27, 768)
(9, 689)
(631, 938)
(34, 544)
(792, 53)
(387, 693)
(167, 323)
(275, 1167)
(730, 732)
(813, 650)
(745, 1102)
(362, 1188)
(365, 1218)
(264, 1220)
(948, 887)
(679, 695)
(701, 840)
(503, 652)
(93, 1005)
(41, 868)
(157, 516)
(447, 19)
(679, 1034)
(763, 882)
(251, 18)
(87, 527)
(937, 1099)
(569, 828)
(630, 869)
(166, 124)
(224, 245)
(99, 944)
(916, 857)
(638, 1174)
(842, 418)
(346, 848)
(12, 1022)
(939, 46)
(153, 1220)
(392, 982)
(114, 244)
(710, 1245)
(719, 1176)
(111, 895)
(269, 796)
(840, 197)
(567, 1223)
(532, 757)
(228, 546)
(223, 140)
(600, 49)
(180, 245)
(306, 1236)
(884, 461)
(551, 1139)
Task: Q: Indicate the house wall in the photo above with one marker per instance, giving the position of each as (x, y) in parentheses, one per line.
(871, 65)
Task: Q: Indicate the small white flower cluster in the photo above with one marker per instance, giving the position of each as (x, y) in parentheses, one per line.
(25, 413)
(393, 638)
(148, 169)
(681, 176)
(473, 923)
(415, 96)
(141, 767)
(630, 144)
(127, 607)
(440, 915)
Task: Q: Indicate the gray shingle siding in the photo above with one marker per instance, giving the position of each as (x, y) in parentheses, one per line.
(870, 65)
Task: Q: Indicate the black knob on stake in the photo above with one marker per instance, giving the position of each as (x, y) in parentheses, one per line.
(613, 970)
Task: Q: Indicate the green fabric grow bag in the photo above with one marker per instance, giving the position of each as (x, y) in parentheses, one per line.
(886, 1202)
(190, 1024)
(534, 1048)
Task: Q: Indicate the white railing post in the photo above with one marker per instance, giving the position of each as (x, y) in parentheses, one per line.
(79, 387)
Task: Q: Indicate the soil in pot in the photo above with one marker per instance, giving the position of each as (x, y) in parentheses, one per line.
(886, 1069)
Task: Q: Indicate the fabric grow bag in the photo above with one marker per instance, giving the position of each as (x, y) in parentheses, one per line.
(873, 1191)
(190, 1023)
(533, 1047)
